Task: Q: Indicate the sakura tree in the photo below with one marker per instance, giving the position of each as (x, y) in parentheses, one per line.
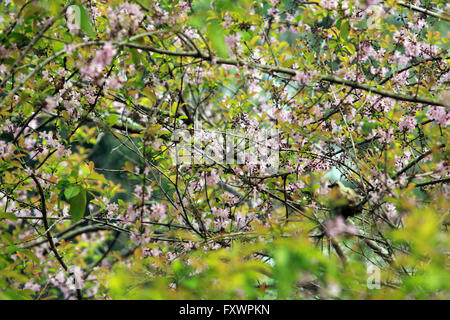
(224, 149)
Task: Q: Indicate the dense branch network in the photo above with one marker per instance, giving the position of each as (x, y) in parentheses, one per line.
(90, 117)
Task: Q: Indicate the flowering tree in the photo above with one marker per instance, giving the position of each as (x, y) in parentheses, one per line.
(224, 149)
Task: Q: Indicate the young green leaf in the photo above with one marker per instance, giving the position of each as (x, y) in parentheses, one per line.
(112, 119)
(85, 22)
(78, 205)
(72, 191)
(345, 26)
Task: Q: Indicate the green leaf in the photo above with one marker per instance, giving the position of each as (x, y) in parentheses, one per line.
(8, 215)
(53, 6)
(345, 26)
(85, 22)
(112, 119)
(217, 37)
(30, 255)
(78, 205)
(136, 57)
(72, 191)
(351, 48)
(11, 249)
(19, 39)
(32, 10)
(8, 238)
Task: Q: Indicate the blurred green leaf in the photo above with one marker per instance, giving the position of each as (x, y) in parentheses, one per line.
(85, 22)
(78, 205)
(345, 26)
(217, 37)
(112, 119)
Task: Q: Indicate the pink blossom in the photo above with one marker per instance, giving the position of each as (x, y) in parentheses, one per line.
(114, 83)
(6, 149)
(391, 210)
(32, 286)
(304, 77)
(233, 43)
(158, 210)
(3, 69)
(221, 223)
(61, 152)
(143, 193)
(337, 226)
(212, 178)
(329, 4)
(439, 115)
(103, 57)
(407, 123)
(273, 11)
(112, 208)
(219, 212)
(372, 2)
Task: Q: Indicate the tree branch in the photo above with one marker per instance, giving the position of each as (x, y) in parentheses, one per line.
(48, 233)
(442, 16)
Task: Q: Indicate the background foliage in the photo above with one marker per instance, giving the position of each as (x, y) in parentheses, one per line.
(89, 190)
